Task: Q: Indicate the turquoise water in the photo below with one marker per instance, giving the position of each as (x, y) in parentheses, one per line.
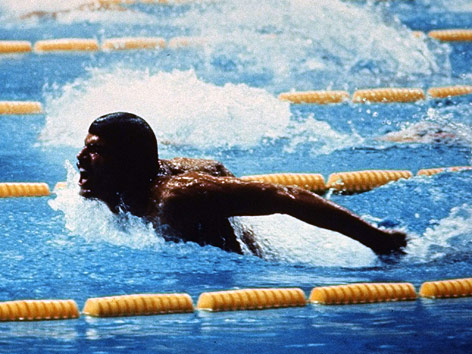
(220, 101)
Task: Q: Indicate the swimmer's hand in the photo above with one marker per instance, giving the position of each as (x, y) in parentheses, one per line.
(390, 242)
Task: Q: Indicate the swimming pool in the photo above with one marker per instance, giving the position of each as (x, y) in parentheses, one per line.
(219, 100)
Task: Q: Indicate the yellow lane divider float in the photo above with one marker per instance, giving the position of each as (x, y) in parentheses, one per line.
(66, 45)
(138, 305)
(251, 299)
(231, 300)
(319, 97)
(386, 95)
(362, 293)
(20, 107)
(362, 181)
(344, 182)
(36, 310)
(447, 288)
(8, 47)
(452, 35)
(433, 171)
(187, 42)
(374, 95)
(23, 190)
(449, 91)
(129, 43)
(311, 181)
(81, 44)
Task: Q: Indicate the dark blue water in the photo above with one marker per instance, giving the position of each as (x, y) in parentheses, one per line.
(56, 247)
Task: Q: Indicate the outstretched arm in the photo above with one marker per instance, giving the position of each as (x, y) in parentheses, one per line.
(228, 196)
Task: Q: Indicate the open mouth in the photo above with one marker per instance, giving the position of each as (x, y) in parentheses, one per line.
(84, 177)
(85, 182)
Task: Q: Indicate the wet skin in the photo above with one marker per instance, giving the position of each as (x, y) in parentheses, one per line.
(195, 199)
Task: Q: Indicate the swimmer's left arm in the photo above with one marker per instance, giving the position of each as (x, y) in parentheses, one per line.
(229, 196)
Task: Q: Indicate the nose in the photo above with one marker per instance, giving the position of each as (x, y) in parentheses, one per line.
(81, 156)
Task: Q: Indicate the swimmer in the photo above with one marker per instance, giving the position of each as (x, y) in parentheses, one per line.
(422, 132)
(86, 6)
(192, 198)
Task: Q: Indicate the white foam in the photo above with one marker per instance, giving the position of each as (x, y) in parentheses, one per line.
(181, 108)
(284, 238)
(303, 36)
(449, 236)
(319, 134)
(93, 220)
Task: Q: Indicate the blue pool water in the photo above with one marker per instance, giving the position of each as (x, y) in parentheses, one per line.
(220, 101)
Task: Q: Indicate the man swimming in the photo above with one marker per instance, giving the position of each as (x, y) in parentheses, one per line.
(195, 198)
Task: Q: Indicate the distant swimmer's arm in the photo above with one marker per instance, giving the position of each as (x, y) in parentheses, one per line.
(86, 6)
(228, 196)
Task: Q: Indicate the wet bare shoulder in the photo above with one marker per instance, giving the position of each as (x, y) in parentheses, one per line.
(187, 195)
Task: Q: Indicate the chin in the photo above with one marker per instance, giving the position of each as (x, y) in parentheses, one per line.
(87, 193)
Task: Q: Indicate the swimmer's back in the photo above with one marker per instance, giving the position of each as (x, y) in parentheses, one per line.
(180, 165)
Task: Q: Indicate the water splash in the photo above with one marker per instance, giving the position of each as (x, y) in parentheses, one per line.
(184, 111)
(279, 241)
(300, 38)
(450, 236)
(93, 220)
(181, 109)
(322, 138)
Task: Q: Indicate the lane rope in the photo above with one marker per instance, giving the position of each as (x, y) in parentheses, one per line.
(452, 35)
(8, 47)
(138, 305)
(38, 310)
(311, 181)
(20, 107)
(66, 45)
(362, 293)
(232, 300)
(447, 288)
(251, 299)
(133, 43)
(388, 95)
(319, 97)
(24, 190)
(363, 181)
(449, 91)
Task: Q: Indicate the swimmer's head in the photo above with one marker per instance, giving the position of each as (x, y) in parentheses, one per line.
(119, 157)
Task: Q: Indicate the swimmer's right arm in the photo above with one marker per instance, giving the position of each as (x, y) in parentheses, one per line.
(228, 196)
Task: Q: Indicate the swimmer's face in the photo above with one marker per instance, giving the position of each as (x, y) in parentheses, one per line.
(97, 171)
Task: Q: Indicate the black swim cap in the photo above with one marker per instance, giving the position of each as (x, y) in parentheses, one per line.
(131, 141)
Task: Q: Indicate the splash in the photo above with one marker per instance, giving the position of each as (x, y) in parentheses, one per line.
(93, 221)
(283, 238)
(322, 138)
(181, 109)
(449, 236)
(300, 38)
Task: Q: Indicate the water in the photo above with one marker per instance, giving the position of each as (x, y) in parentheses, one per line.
(219, 100)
